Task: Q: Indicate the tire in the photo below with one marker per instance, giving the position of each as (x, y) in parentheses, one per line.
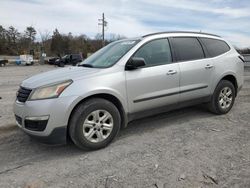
(94, 110)
(222, 102)
(61, 64)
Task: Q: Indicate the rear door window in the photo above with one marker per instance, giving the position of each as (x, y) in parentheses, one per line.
(187, 48)
(215, 47)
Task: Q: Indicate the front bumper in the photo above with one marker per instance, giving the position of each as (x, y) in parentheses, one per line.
(57, 136)
(45, 120)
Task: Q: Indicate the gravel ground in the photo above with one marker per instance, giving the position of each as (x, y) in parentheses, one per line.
(184, 148)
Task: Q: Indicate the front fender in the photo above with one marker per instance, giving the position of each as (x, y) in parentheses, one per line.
(79, 99)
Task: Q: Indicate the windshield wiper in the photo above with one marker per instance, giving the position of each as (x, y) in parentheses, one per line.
(85, 65)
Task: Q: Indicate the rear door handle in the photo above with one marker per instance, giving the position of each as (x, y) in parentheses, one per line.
(208, 66)
(171, 72)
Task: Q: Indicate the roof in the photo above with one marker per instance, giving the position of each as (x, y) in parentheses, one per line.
(173, 32)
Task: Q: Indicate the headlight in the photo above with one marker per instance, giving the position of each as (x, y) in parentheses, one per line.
(50, 91)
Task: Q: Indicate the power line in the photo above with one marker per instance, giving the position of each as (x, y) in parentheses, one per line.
(103, 23)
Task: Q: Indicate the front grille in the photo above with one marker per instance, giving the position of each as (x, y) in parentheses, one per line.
(23, 94)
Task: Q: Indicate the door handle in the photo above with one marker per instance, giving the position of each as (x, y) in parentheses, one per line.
(208, 66)
(171, 72)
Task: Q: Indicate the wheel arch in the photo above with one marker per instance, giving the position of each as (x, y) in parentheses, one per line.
(111, 98)
(231, 78)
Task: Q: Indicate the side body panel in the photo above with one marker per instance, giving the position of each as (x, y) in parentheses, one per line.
(195, 79)
(228, 64)
(152, 87)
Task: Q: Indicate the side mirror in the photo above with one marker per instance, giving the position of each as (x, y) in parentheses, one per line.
(134, 63)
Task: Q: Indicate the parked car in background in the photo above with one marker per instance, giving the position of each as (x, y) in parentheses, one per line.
(52, 60)
(3, 62)
(71, 59)
(127, 80)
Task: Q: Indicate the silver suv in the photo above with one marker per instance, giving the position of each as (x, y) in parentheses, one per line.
(126, 80)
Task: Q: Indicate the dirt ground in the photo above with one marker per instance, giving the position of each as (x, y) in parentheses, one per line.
(184, 148)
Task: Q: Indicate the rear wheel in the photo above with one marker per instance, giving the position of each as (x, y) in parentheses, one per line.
(94, 124)
(223, 98)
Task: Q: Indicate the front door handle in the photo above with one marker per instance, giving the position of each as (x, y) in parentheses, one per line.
(171, 72)
(208, 66)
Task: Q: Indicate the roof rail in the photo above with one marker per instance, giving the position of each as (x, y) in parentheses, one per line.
(169, 32)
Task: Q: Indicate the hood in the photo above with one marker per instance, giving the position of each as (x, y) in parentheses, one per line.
(58, 75)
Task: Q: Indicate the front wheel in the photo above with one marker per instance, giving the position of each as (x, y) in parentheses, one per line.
(223, 98)
(61, 64)
(94, 124)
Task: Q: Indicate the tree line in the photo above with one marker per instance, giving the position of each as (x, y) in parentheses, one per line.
(14, 42)
(243, 51)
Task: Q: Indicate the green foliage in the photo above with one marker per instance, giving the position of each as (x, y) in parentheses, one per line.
(30, 33)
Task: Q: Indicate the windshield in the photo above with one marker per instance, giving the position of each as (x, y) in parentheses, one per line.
(109, 55)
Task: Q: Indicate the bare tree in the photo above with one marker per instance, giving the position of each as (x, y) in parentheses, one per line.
(45, 36)
(114, 37)
(45, 42)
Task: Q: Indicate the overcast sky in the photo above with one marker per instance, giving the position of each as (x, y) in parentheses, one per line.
(228, 18)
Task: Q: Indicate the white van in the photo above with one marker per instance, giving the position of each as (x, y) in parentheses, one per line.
(26, 59)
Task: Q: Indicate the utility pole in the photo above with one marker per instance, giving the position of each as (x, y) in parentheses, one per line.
(103, 23)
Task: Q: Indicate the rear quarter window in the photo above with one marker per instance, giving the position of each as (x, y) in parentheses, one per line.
(215, 47)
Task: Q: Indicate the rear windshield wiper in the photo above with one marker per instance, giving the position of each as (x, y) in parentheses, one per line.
(85, 65)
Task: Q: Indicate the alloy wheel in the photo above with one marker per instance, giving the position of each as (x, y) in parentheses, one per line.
(98, 125)
(225, 97)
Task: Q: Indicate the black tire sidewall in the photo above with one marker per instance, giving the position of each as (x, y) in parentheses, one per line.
(61, 64)
(221, 85)
(81, 114)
